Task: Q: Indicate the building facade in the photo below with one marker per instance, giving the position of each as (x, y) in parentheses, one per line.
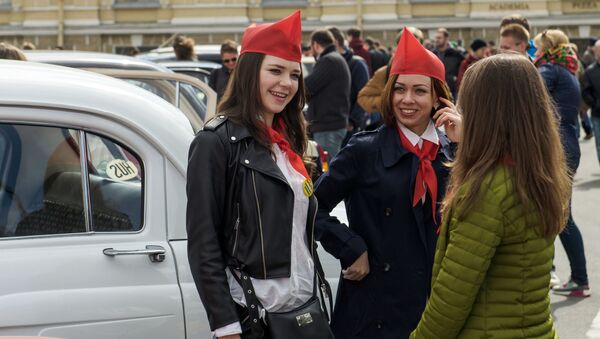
(111, 25)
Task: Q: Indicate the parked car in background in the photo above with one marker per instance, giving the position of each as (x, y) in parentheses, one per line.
(195, 98)
(78, 59)
(197, 69)
(92, 209)
(209, 52)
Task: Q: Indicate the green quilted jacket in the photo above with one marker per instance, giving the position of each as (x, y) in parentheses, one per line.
(491, 273)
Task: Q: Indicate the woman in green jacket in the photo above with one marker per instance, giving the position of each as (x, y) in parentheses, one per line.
(507, 200)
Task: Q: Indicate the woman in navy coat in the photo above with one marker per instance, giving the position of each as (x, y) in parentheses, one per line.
(391, 180)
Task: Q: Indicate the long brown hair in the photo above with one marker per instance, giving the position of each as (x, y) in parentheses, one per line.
(438, 89)
(508, 114)
(242, 103)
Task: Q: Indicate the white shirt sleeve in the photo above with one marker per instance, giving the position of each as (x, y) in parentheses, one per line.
(233, 328)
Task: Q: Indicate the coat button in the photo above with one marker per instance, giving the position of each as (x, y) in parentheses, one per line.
(379, 324)
(233, 138)
(246, 161)
(388, 211)
(386, 267)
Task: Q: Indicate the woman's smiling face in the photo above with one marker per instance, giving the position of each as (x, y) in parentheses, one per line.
(279, 80)
(412, 101)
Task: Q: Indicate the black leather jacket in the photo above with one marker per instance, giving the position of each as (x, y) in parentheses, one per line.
(590, 88)
(239, 212)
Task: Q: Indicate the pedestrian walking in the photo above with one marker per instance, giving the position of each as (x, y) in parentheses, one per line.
(557, 63)
(359, 75)
(449, 56)
(356, 43)
(590, 91)
(507, 200)
(219, 77)
(514, 37)
(391, 180)
(522, 21)
(250, 205)
(328, 87)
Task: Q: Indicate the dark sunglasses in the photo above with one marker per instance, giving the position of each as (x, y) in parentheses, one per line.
(225, 61)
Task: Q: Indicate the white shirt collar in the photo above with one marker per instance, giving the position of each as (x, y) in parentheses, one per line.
(430, 134)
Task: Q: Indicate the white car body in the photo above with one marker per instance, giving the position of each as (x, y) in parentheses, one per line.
(65, 285)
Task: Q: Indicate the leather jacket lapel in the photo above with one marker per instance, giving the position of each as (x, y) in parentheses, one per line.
(259, 159)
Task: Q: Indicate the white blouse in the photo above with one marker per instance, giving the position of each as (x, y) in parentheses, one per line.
(282, 294)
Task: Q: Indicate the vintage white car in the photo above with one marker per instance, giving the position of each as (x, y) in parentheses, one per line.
(92, 209)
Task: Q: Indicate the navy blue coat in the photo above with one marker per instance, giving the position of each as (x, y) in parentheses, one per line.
(563, 87)
(375, 176)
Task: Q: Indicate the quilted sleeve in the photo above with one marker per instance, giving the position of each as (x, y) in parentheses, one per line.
(463, 266)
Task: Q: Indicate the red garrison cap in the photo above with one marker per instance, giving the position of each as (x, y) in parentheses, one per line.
(282, 39)
(412, 58)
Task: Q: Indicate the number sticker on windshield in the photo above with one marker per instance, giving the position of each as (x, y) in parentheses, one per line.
(121, 170)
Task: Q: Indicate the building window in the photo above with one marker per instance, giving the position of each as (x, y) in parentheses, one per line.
(136, 3)
(285, 3)
(5, 4)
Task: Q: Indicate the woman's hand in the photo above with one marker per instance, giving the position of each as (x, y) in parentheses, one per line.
(450, 118)
(359, 269)
(233, 336)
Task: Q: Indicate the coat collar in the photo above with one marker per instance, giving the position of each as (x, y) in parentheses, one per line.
(392, 150)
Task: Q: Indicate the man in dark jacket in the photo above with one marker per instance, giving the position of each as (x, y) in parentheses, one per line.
(220, 76)
(359, 76)
(328, 90)
(358, 46)
(590, 92)
(449, 56)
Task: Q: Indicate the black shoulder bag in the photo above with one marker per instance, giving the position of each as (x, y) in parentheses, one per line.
(309, 321)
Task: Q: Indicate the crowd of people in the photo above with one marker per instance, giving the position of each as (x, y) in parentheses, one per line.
(455, 167)
(431, 250)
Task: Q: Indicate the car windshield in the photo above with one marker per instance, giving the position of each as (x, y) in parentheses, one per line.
(189, 99)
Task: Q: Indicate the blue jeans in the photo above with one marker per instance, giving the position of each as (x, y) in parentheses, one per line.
(572, 242)
(331, 141)
(596, 127)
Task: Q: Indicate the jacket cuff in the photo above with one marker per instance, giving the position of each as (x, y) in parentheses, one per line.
(234, 328)
(353, 248)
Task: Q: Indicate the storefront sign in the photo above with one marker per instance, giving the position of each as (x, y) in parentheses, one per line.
(509, 6)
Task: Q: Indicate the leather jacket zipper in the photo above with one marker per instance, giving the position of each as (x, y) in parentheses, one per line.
(260, 228)
(236, 228)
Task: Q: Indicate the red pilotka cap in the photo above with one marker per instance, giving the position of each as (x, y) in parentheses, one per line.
(412, 58)
(282, 39)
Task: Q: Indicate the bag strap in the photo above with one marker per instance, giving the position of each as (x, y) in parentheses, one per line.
(252, 302)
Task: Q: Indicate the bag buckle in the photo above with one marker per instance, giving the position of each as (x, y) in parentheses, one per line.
(304, 319)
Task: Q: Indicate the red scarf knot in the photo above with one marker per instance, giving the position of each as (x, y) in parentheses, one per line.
(426, 179)
(276, 136)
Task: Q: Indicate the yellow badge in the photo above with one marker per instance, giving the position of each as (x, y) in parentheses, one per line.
(307, 185)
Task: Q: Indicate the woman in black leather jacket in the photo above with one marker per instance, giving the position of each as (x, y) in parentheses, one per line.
(250, 204)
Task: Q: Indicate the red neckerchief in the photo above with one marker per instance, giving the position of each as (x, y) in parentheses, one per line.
(277, 137)
(426, 177)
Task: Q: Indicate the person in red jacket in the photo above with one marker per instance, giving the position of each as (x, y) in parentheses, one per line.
(479, 49)
(358, 46)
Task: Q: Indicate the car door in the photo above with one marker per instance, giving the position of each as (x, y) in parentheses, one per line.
(82, 232)
(193, 97)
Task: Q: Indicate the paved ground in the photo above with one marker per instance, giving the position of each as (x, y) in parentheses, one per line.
(574, 318)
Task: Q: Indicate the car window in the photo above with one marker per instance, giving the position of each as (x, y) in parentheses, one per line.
(41, 189)
(190, 100)
(116, 186)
